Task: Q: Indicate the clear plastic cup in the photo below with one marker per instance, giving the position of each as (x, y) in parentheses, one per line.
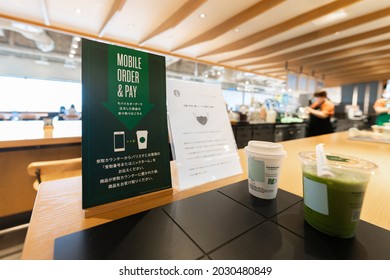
(264, 166)
(332, 203)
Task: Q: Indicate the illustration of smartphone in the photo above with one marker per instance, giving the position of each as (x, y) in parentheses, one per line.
(119, 141)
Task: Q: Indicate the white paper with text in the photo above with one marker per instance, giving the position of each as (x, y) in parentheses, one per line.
(203, 142)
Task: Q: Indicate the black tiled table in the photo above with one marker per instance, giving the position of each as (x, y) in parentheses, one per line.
(147, 235)
(268, 208)
(269, 241)
(212, 219)
(227, 223)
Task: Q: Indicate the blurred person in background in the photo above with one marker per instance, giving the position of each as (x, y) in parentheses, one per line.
(320, 113)
(382, 107)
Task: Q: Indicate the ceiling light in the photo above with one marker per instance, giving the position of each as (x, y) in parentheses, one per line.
(131, 26)
(71, 55)
(236, 29)
(78, 39)
(78, 11)
(330, 17)
(75, 45)
(202, 15)
(73, 52)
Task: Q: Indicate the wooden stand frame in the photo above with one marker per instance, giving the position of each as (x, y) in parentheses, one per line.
(93, 211)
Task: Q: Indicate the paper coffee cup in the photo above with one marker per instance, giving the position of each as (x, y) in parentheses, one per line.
(264, 166)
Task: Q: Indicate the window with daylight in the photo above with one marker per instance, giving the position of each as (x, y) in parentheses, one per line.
(34, 95)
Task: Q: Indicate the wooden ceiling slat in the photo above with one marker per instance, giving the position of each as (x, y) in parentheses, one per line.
(360, 76)
(357, 79)
(182, 13)
(321, 47)
(357, 76)
(346, 72)
(323, 66)
(354, 65)
(320, 66)
(312, 35)
(360, 71)
(267, 66)
(282, 27)
(335, 65)
(332, 55)
(232, 22)
(116, 7)
(275, 71)
(340, 53)
(276, 74)
(279, 72)
(280, 77)
(384, 75)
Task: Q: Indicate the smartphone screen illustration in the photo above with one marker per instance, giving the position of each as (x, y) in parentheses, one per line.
(119, 141)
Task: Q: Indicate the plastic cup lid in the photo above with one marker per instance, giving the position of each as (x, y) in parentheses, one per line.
(265, 148)
(338, 161)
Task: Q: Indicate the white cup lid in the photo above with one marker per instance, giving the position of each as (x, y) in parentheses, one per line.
(266, 148)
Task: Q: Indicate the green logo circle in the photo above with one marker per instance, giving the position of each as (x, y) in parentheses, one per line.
(142, 139)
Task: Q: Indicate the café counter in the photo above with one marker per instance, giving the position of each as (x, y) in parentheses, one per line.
(272, 132)
(21, 134)
(57, 211)
(23, 142)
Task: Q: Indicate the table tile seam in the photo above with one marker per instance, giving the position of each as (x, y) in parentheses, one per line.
(292, 205)
(246, 206)
(237, 236)
(193, 241)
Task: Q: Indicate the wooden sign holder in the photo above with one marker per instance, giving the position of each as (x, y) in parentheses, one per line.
(93, 211)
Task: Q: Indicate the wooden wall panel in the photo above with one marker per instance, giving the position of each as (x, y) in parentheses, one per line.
(16, 191)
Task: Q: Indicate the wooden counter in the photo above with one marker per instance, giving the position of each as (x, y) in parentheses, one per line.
(17, 134)
(57, 211)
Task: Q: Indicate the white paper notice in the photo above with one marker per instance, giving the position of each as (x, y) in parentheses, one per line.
(203, 141)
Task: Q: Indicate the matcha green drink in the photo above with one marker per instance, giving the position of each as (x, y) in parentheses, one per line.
(333, 202)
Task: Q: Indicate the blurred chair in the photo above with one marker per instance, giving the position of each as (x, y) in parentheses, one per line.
(53, 170)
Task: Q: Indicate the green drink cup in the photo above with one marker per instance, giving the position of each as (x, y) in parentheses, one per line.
(333, 202)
